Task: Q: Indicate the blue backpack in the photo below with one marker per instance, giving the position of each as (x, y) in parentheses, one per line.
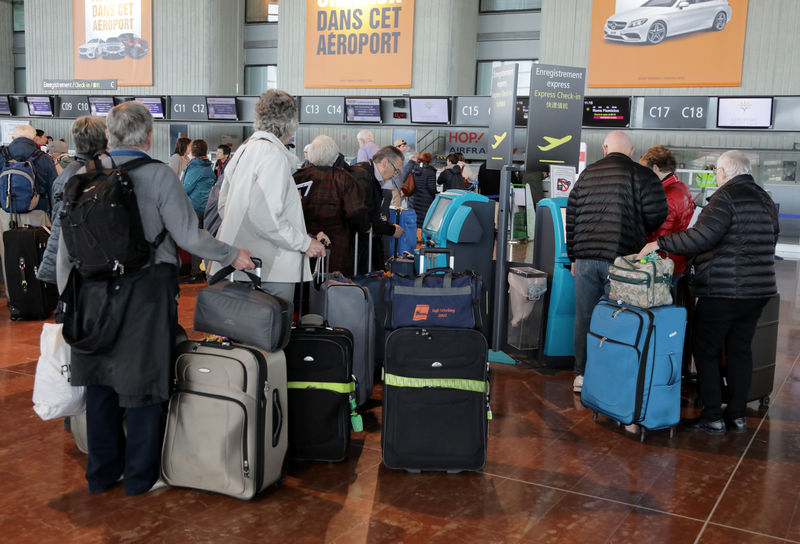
(18, 189)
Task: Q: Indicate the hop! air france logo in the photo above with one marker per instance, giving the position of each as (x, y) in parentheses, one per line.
(421, 312)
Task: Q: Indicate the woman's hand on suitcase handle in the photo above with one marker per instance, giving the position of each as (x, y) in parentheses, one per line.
(315, 249)
(243, 261)
(649, 248)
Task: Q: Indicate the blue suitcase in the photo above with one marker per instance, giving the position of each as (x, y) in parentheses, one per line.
(408, 241)
(633, 364)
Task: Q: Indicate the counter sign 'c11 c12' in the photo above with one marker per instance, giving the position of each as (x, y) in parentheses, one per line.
(554, 118)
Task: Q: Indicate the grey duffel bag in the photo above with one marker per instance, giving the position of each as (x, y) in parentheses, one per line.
(243, 312)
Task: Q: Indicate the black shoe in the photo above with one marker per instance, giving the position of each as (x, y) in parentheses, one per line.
(699, 424)
(737, 425)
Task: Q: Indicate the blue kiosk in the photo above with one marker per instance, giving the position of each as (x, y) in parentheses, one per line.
(463, 222)
(550, 256)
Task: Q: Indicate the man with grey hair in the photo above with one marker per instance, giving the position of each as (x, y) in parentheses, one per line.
(740, 220)
(89, 137)
(23, 148)
(333, 202)
(614, 203)
(131, 376)
(366, 145)
(384, 165)
(258, 201)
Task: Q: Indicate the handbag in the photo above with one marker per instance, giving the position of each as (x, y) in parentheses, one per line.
(243, 312)
(408, 185)
(53, 394)
(642, 282)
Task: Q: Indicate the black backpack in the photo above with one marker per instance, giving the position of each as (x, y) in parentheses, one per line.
(100, 221)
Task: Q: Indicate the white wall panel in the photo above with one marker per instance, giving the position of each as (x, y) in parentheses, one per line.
(6, 47)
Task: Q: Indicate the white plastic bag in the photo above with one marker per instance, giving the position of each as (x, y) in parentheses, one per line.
(53, 396)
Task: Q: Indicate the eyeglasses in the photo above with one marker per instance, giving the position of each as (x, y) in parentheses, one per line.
(396, 171)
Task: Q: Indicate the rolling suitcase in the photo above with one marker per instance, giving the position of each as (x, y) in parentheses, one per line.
(435, 400)
(407, 219)
(28, 298)
(226, 429)
(633, 364)
(347, 305)
(319, 366)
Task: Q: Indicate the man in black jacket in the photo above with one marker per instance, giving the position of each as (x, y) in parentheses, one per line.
(734, 277)
(612, 205)
(385, 164)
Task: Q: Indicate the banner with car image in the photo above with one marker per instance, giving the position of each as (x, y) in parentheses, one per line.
(111, 40)
(667, 43)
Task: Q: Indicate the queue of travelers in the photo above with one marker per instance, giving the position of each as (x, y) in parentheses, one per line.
(258, 201)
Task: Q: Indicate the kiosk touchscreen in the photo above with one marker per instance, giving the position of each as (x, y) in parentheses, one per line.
(550, 256)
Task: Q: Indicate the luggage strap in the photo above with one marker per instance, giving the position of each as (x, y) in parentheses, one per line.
(336, 387)
(475, 386)
(348, 388)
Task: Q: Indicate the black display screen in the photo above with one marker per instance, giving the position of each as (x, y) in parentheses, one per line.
(362, 110)
(521, 113)
(606, 111)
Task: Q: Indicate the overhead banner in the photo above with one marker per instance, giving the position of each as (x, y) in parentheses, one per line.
(667, 43)
(112, 40)
(555, 112)
(359, 43)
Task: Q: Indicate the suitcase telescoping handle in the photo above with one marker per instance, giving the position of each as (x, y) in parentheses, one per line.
(227, 272)
(369, 254)
(432, 252)
(302, 292)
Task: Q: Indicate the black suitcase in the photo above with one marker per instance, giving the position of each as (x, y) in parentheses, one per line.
(435, 400)
(28, 298)
(321, 391)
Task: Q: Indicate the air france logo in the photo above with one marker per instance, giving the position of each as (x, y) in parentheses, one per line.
(421, 312)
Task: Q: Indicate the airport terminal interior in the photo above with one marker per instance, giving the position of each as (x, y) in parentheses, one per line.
(526, 86)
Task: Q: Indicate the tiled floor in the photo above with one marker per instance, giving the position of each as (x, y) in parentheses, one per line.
(552, 475)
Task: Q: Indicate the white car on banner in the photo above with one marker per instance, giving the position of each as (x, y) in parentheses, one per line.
(91, 49)
(656, 20)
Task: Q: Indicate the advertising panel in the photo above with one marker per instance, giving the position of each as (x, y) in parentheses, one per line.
(359, 43)
(667, 43)
(111, 40)
(554, 117)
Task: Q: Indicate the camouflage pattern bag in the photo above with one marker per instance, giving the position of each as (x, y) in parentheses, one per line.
(642, 282)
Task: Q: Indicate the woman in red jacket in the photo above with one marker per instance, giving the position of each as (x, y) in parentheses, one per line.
(679, 199)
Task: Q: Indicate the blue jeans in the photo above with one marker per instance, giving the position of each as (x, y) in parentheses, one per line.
(591, 283)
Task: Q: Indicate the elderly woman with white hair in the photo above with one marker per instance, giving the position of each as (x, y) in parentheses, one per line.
(258, 201)
(734, 243)
(333, 203)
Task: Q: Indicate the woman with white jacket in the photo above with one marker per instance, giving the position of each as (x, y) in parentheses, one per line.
(259, 203)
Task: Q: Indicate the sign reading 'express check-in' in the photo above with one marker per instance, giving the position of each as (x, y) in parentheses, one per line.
(359, 43)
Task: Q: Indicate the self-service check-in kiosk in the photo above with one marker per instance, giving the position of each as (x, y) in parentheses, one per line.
(550, 255)
(463, 222)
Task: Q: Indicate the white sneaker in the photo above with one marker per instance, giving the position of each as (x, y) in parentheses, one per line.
(158, 485)
(577, 385)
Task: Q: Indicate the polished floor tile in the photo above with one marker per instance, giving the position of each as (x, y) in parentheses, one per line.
(553, 474)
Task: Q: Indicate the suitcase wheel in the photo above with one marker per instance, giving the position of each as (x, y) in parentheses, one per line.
(642, 434)
(764, 401)
(672, 431)
(594, 417)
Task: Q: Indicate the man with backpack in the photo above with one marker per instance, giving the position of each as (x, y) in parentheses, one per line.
(117, 268)
(26, 178)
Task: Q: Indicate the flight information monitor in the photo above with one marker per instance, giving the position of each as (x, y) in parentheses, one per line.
(222, 107)
(362, 110)
(606, 111)
(5, 107)
(522, 110)
(100, 105)
(40, 106)
(744, 112)
(154, 104)
(430, 110)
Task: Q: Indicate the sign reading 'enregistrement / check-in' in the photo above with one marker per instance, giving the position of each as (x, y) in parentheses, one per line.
(554, 118)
